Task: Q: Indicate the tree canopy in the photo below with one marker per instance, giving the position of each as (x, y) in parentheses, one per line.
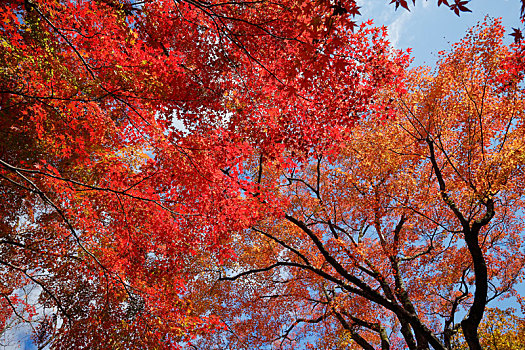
(252, 174)
(396, 230)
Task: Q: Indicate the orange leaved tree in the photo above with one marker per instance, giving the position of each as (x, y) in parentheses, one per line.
(395, 235)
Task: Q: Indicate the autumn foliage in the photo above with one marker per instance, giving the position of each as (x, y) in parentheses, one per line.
(251, 174)
(125, 131)
(500, 329)
(392, 235)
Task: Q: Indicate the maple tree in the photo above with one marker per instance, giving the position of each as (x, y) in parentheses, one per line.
(105, 198)
(111, 210)
(390, 234)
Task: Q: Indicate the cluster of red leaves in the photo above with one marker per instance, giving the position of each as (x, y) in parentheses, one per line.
(104, 198)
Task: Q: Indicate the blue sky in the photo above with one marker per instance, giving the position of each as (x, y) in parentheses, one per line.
(428, 28)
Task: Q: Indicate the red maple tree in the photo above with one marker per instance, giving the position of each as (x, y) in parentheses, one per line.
(105, 198)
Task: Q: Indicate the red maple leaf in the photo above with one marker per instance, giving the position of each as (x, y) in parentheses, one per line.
(401, 3)
(339, 9)
(459, 6)
(517, 34)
